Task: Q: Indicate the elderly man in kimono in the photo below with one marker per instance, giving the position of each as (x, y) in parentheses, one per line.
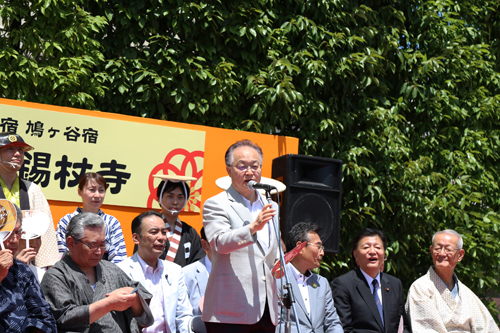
(438, 301)
(87, 294)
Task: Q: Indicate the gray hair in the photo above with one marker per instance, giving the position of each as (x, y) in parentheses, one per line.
(229, 158)
(78, 223)
(460, 242)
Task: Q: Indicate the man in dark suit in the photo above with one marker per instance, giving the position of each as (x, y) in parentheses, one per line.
(366, 299)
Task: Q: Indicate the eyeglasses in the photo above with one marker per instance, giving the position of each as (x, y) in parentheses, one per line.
(243, 167)
(94, 247)
(320, 247)
(448, 250)
(17, 234)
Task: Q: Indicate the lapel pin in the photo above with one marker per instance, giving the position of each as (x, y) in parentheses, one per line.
(387, 289)
(314, 285)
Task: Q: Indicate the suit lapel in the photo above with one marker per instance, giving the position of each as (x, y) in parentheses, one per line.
(312, 287)
(298, 295)
(240, 207)
(366, 294)
(272, 235)
(386, 296)
(136, 272)
(200, 278)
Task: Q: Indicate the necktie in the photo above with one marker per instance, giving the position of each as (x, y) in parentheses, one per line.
(377, 300)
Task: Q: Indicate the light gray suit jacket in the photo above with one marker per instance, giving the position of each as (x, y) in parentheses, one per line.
(176, 307)
(323, 317)
(240, 282)
(196, 275)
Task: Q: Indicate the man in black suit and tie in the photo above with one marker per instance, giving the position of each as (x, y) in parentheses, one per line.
(366, 299)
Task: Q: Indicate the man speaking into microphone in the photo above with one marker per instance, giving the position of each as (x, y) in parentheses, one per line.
(241, 294)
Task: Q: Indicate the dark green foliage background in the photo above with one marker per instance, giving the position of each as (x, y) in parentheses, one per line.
(406, 93)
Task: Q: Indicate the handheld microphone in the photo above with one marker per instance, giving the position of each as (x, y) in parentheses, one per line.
(253, 185)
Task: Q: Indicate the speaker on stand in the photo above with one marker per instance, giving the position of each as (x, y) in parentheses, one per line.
(314, 188)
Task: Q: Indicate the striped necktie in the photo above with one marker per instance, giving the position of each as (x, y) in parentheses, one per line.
(377, 300)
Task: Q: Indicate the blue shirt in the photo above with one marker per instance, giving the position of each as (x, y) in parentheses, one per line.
(22, 304)
(115, 248)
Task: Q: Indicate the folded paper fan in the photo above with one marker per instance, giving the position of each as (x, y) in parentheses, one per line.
(288, 257)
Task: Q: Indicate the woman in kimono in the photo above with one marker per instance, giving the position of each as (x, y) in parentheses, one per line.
(92, 188)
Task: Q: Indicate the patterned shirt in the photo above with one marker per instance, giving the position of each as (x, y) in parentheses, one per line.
(115, 247)
(22, 304)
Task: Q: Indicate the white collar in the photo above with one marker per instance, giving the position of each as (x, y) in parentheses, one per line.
(250, 204)
(299, 277)
(369, 279)
(145, 266)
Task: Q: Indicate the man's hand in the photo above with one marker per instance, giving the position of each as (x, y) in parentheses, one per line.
(121, 299)
(6, 262)
(118, 300)
(266, 214)
(26, 255)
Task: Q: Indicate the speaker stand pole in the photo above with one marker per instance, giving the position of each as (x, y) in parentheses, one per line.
(287, 300)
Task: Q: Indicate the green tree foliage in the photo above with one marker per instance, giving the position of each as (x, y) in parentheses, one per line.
(406, 93)
(48, 55)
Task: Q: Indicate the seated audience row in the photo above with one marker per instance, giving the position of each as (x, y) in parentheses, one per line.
(82, 292)
(368, 300)
(85, 292)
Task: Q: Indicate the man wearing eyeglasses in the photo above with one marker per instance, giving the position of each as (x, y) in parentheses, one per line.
(87, 294)
(241, 294)
(314, 302)
(23, 307)
(438, 301)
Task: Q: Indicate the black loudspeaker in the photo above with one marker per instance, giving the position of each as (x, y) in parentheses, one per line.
(313, 192)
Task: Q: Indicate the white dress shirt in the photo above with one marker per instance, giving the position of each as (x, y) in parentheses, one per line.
(369, 279)
(302, 283)
(153, 284)
(255, 208)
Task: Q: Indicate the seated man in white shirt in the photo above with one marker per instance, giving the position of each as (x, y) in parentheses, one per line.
(165, 280)
(196, 275)
(314, 302)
